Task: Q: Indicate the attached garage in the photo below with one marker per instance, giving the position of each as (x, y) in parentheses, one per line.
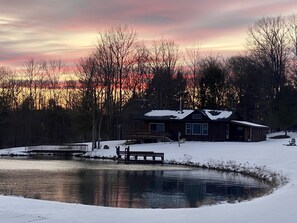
(247, 131)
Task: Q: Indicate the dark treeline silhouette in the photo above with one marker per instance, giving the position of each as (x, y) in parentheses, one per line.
(123, 76)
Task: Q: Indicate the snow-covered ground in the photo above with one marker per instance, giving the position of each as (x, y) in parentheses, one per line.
(263, 158)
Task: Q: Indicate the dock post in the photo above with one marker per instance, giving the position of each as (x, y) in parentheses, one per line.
(118, 152)
(127, 154)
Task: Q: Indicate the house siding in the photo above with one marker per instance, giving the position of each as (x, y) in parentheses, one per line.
(216, 131)
(259, 134)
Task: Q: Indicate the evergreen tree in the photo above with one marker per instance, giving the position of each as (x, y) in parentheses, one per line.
(284, 109)
(212, 83)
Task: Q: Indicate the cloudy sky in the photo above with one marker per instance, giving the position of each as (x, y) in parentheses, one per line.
(66, 29)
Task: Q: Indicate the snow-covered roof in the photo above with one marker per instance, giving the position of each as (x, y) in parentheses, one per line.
(250, 124)
(171, 114)
(217, 114)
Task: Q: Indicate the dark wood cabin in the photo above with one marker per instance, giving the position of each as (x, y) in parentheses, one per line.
(197, 125)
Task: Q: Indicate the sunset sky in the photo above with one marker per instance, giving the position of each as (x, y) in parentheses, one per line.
(66, 29)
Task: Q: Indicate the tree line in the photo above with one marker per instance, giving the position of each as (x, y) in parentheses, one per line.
(123, 76)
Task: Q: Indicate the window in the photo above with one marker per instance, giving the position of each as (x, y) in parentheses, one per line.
(188, 128)
(196, 129)
(157, 127)
(196, 116)
(204, 129)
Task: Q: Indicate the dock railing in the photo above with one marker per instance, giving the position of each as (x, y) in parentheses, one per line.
(133, 156)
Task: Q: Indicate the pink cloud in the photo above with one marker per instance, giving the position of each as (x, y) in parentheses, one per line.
(38, 28)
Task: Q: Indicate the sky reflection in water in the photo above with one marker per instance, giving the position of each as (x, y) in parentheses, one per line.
(116, 185)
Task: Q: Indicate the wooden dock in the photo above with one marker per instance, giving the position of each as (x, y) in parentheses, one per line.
(139, 156)
(68, 149)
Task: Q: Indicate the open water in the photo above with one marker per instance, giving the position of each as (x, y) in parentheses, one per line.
(107, 183)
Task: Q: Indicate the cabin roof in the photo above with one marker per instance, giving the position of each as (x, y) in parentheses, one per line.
(169, 114)
(217, 114)
(214, 115)
(249, 124)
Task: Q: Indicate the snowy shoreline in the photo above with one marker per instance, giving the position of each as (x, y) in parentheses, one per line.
(269, 160)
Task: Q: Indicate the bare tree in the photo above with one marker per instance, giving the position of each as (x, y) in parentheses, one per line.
(54, 69)
(114, 55)
(164, 56)
(9, 89)
(86, 72)
(34, 74)
(268, 44)
(192, 62)
(293, 33)
(71, 95)
(115, 50)
(292, 23)
(138, 75)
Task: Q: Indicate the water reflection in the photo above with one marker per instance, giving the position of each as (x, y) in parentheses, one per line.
(107, 184)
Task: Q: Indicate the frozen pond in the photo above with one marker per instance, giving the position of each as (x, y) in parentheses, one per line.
(106, 183)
